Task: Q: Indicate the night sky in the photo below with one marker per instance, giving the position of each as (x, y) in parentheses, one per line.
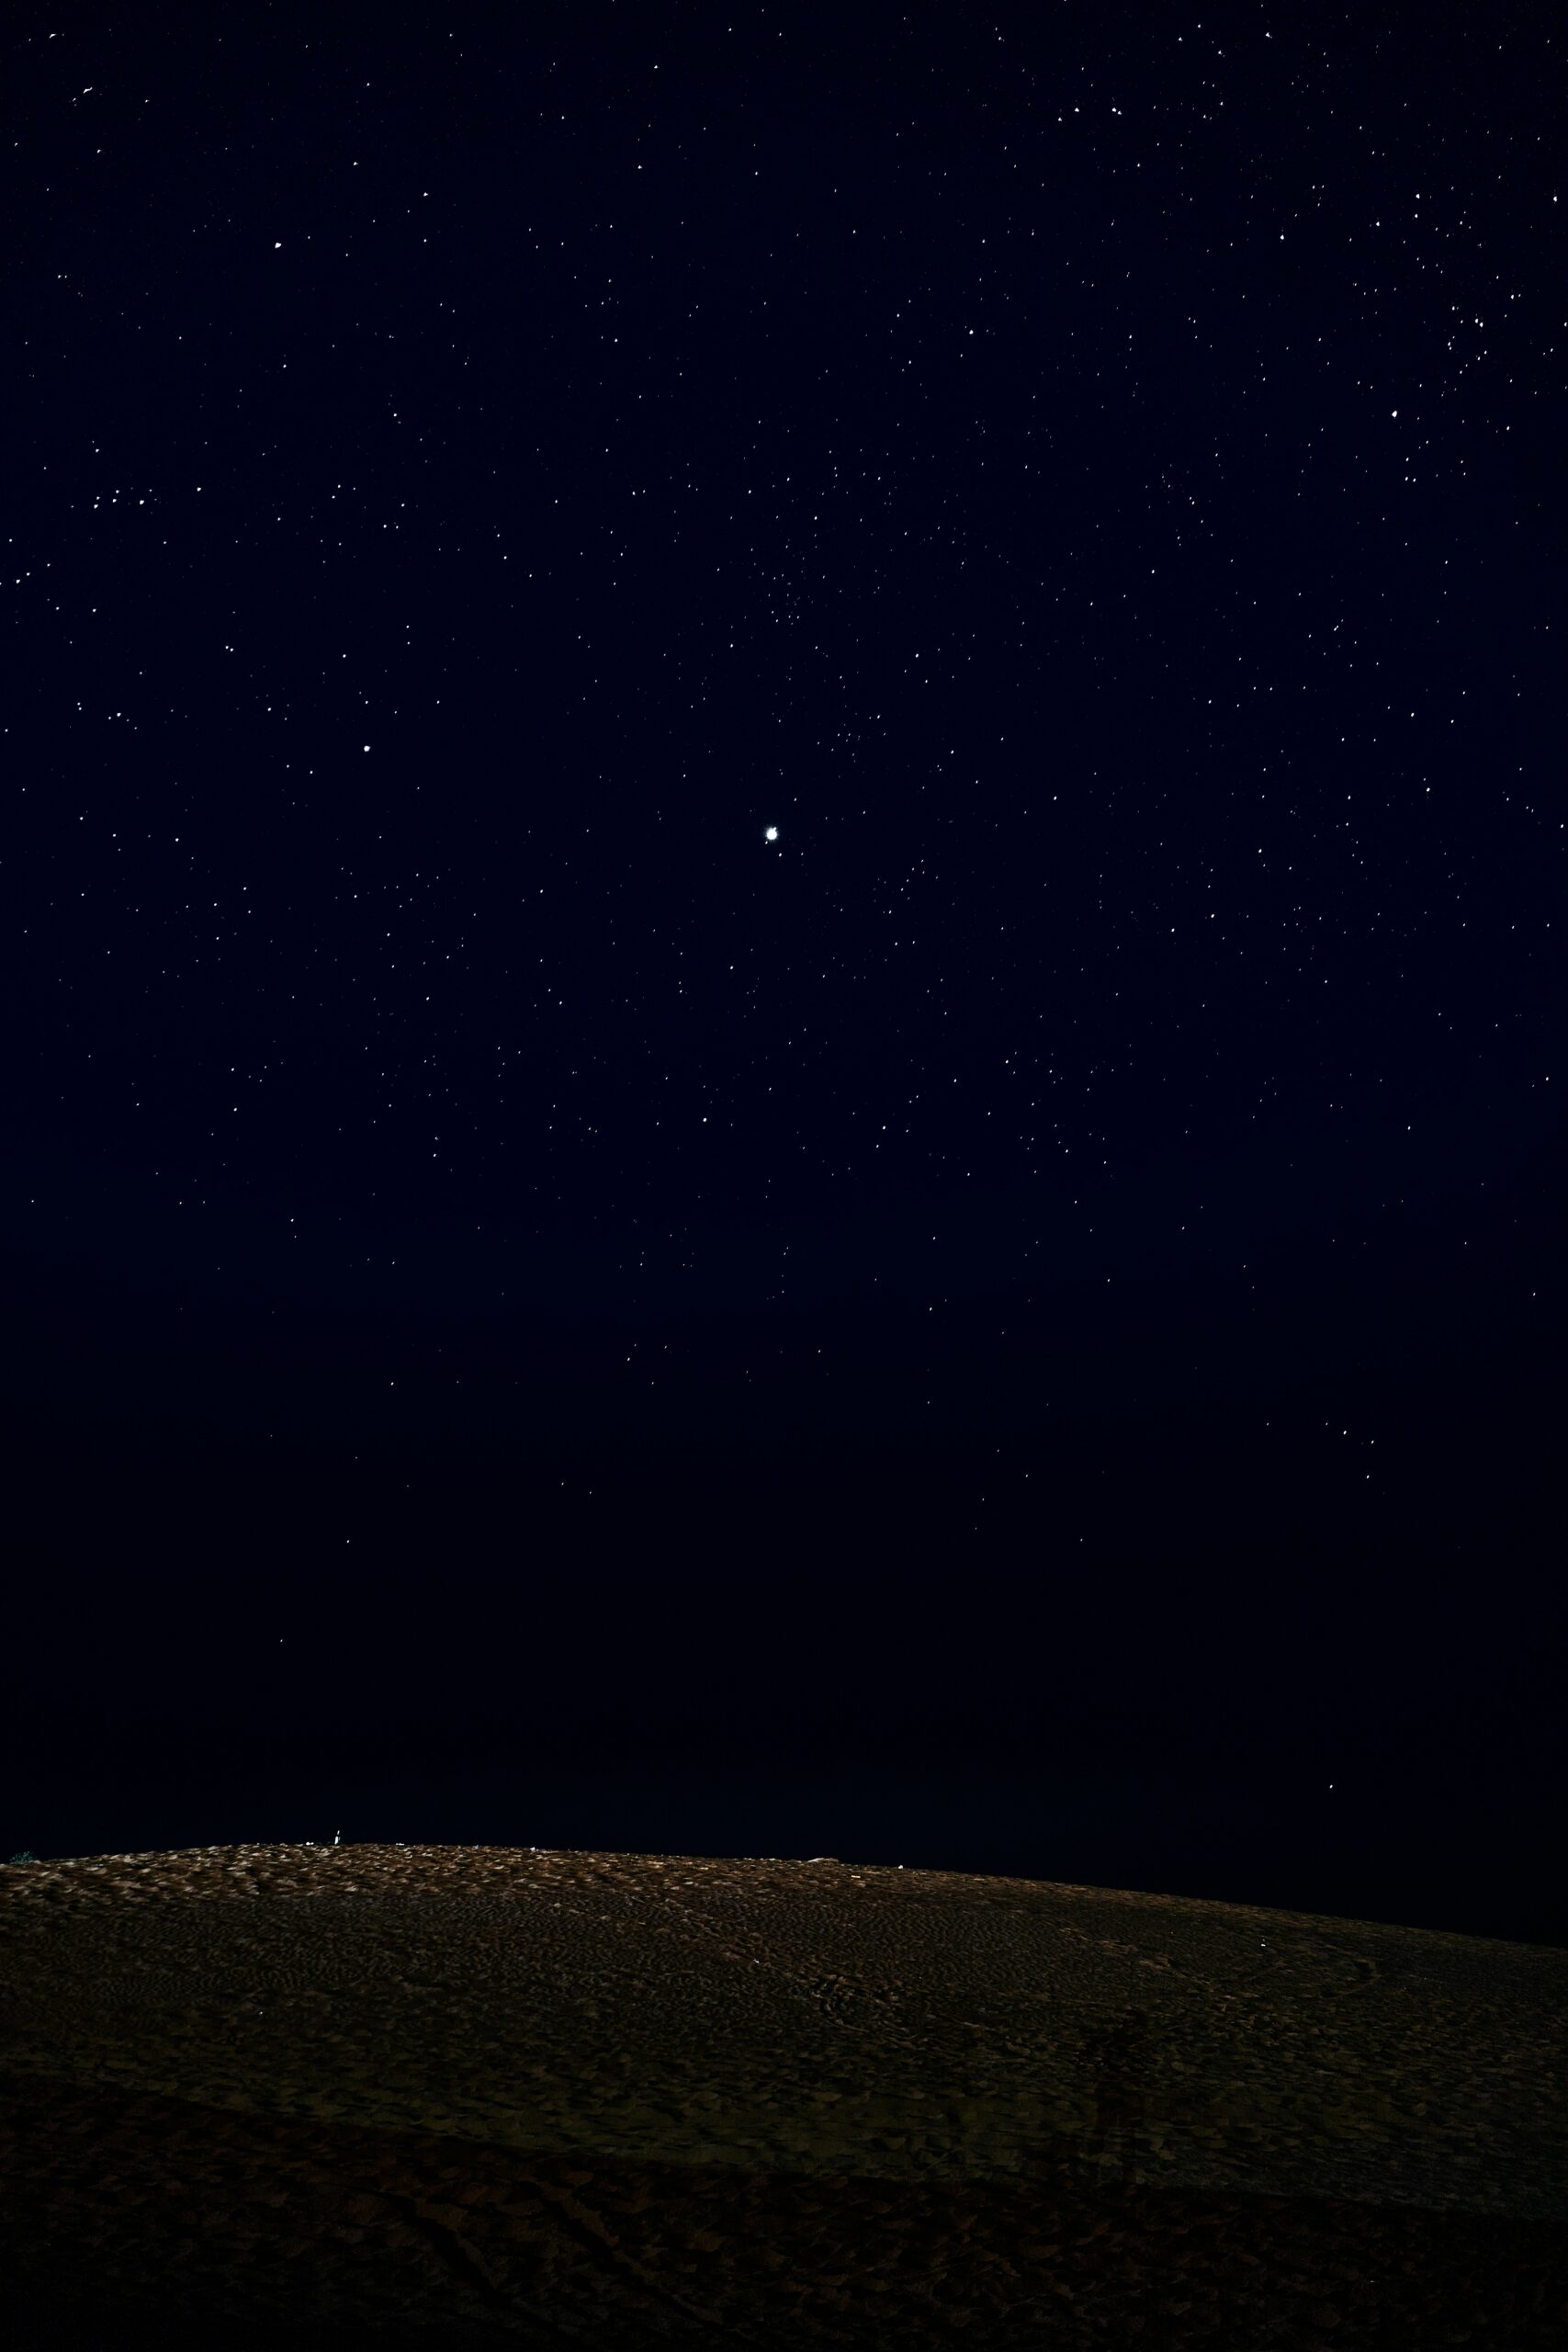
(783, 916)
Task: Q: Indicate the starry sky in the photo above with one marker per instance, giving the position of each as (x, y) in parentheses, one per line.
(783, 932)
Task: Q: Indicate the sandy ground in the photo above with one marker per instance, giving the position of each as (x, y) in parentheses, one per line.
(376, 2094)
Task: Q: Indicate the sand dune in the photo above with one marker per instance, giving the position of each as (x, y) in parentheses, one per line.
(378, 2094)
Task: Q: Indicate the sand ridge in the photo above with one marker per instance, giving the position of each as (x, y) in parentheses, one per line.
(814, 2018)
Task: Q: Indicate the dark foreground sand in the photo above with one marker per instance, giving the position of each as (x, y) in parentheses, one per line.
(301, 2096)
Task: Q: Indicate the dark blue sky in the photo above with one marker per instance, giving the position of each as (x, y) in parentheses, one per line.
(803, 774)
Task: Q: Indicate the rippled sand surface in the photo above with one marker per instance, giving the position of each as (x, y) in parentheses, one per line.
(490, 2095)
